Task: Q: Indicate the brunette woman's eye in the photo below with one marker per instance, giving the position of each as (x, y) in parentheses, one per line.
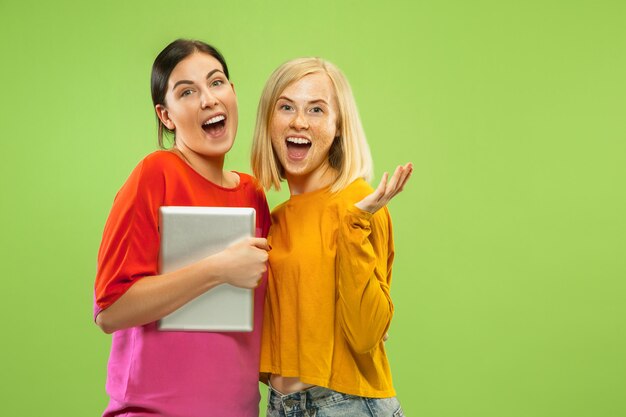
(185, 93)
(216, 83)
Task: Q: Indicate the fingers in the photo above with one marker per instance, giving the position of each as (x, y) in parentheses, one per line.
(386, 189)
(408, 170)
(397, 182)
(391, 186)
(403, 174)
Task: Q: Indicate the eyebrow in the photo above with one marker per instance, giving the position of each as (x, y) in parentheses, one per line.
(191, 82)
(318, 100)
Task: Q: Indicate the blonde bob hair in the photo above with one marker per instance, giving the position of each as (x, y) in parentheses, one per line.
(349, 154)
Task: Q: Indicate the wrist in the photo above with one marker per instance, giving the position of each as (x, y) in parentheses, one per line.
(212, 268)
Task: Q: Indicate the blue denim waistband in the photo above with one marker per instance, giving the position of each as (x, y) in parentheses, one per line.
(317, 396)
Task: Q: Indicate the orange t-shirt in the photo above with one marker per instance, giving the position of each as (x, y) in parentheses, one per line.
(328, 304)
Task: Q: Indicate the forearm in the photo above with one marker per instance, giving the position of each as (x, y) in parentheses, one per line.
(363, 271)
(365, 309)
(152, 298)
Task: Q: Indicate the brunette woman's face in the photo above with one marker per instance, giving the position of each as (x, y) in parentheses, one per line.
(200, 107)
(304, 126)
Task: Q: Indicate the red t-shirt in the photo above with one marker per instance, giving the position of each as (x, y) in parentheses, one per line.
(183, 374)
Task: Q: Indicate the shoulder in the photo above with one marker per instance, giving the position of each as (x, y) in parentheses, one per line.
(160, 161)
(147, 178)
(359, 188)
(280, 208)
(253, 191)
(248, 182)
(246, 179)
(355, 192)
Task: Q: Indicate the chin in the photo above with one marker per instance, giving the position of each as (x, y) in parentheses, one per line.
(293, 169)
(224, 145)
(297, 172)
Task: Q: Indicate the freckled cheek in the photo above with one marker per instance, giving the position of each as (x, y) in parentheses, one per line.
(276, 143)
(277, 125)
(276, 131)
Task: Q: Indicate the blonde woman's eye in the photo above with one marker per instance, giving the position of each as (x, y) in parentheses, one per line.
(317, 110)
(286, 107)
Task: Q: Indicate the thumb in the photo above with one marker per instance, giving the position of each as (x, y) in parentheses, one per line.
(260, 243)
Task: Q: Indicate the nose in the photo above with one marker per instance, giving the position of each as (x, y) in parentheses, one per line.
(207, 99)
(299, 122)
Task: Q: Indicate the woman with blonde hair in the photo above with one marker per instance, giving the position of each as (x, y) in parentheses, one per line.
(328, 305)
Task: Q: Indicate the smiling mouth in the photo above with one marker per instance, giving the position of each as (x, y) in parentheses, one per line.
(297, 148)
(215, 125)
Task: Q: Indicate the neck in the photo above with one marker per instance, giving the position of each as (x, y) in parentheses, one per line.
(211, 168)
(316, 180)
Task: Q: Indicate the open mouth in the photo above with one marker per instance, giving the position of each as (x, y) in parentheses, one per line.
(297, 148)
(215, 125)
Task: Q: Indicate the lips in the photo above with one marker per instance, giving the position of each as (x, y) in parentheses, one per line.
(297, 147)
(215, 126)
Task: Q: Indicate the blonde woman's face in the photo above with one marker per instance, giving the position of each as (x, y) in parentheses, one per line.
(303, 128)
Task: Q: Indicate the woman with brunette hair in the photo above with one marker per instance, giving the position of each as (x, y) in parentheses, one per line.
(185, 374)
(328, 306)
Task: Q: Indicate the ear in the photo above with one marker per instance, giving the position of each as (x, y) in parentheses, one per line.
(164, 117)
(233, 87)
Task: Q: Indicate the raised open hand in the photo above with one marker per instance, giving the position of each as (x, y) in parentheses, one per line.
(386, 190)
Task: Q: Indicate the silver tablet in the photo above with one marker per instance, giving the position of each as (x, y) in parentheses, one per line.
(189, 234)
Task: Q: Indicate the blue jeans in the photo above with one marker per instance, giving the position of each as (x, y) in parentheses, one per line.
(323, 402)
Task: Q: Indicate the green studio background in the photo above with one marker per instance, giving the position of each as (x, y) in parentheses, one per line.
(509, 279)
